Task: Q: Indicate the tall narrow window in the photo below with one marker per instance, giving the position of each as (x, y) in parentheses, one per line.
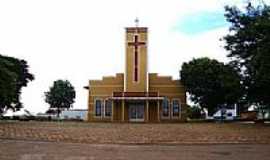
(136, 74)
(108, 108)
(98, 106)
(165, 108)
(175, 108)
(136, 59)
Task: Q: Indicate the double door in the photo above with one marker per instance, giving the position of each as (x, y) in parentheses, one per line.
(136, 112)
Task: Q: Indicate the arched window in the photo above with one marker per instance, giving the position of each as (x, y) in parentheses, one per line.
(165, 108)
(175, 108)
(108, 108)
(98, 107)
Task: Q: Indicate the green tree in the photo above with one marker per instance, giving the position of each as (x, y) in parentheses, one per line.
(211, 83)
(14, 74)
(195, 112)
(60, 96)
(248, 44)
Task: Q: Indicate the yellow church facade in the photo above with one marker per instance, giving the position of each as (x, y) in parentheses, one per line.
(136, 95)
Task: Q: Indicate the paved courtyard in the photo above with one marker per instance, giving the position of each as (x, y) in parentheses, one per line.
(127, 133)
(91, 141)
(35, 150)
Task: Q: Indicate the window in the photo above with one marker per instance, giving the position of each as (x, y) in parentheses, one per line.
(175, 108)
(165, 108)
(108, 108)
(98, 106)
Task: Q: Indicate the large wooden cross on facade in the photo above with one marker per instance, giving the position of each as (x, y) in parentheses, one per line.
(136, 45)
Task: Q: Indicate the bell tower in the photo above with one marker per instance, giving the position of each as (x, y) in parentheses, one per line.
(136, 79)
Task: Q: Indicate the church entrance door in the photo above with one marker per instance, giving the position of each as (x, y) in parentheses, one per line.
(136, 112)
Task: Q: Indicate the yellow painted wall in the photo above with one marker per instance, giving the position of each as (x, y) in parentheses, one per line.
(103, 89)
(171, 89)
(164, 85)
(141, 85)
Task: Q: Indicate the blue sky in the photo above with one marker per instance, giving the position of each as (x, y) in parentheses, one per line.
(205, 20)
(201, 22)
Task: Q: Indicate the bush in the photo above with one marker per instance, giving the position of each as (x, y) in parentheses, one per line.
(195, 112)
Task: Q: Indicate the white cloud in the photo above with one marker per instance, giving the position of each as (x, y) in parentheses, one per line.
(80, 40)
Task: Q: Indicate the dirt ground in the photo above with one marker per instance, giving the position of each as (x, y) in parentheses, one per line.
(35, 150)
(130, 133)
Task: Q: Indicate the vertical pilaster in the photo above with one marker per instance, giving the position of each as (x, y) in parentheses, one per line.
(123, 110)
(147, 111)
(158, 114)
(112, 110)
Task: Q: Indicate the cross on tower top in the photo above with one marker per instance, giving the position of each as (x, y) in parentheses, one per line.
(136, 45)
(137, 22)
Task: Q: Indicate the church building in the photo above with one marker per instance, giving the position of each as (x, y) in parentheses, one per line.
(136, 95)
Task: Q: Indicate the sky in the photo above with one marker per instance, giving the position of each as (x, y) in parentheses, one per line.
(78, 40)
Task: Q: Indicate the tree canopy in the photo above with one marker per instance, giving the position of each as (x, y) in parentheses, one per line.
(14, 74)
(61, 95)
(248, 44)
(211, 83)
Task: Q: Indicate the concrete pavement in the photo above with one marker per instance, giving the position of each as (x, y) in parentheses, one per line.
(38, 150)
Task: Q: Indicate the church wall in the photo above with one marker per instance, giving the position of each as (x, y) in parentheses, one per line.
(126, 112)
(165, 86)
(171, 89)
(103, 89)
(117, 111)
(136, 62)
(141, 85)
(153, 117)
